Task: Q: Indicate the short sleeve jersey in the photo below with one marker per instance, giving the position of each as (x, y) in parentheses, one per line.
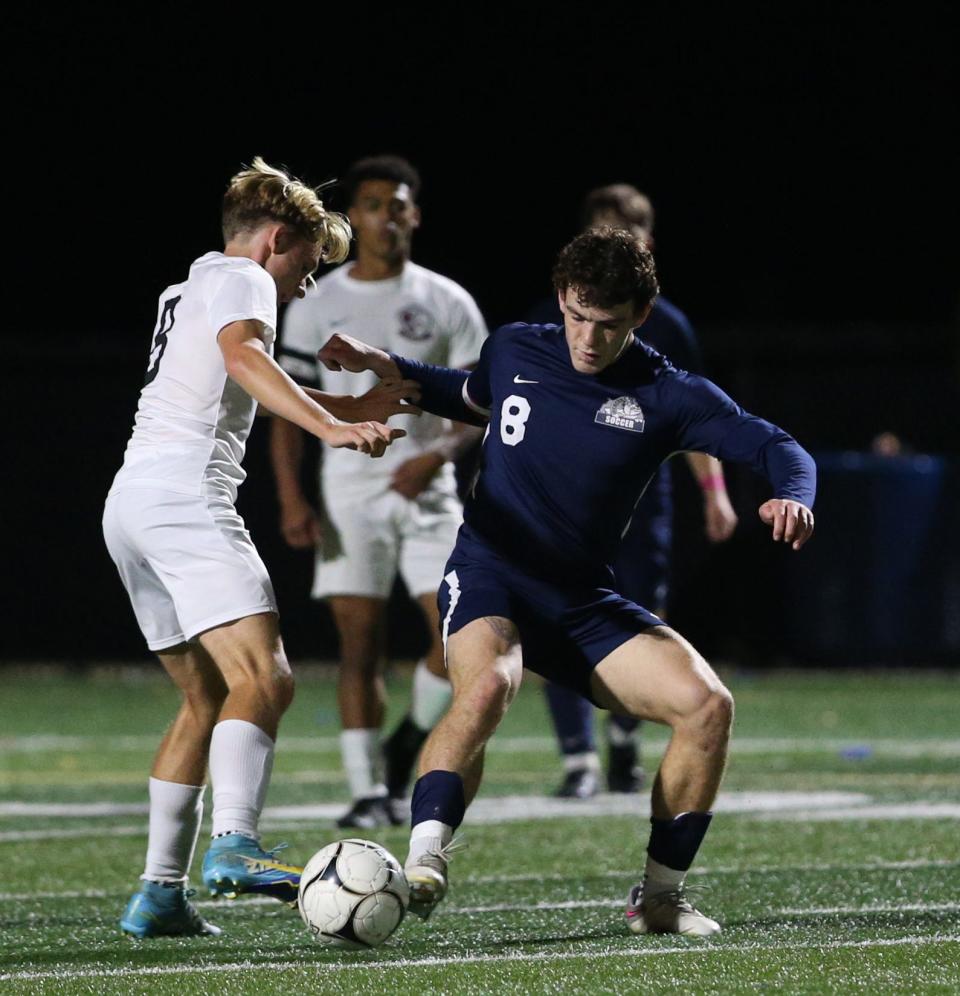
(567, 455)
(419, 314)
(192, 420)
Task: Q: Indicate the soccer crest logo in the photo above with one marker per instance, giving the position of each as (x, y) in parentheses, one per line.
(621, 413)
(416, 323)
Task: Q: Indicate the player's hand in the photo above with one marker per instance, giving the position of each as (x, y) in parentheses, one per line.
(343, 352)
(300, 524)
(720, 520)
(371, 438)
(413, 476)
(389, 397)
(792, 522)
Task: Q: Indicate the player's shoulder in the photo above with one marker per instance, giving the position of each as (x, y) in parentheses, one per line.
(525, 331)
(667, 313)
(641, 355)
(217, 265)
(438, 284)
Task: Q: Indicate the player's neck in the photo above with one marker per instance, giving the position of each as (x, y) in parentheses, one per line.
(370, 267)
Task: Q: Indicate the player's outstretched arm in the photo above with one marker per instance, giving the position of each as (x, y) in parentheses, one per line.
(388, 398)
(792, 522)
(249, 365)
(441, 388)
(343, 352)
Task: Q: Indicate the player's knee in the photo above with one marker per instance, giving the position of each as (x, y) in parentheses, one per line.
(489, 695)
(716, 714)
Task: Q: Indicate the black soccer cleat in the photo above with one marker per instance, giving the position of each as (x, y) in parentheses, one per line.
(578, 783)
(370, 813)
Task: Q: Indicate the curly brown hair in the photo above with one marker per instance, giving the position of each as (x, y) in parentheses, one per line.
(607, 266)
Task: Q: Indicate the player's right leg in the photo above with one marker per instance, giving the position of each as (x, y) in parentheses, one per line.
(355, 570)
(362, 700)
(160, 906)
(485, 667)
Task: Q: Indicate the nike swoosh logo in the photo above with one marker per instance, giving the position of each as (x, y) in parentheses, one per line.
(519, 380)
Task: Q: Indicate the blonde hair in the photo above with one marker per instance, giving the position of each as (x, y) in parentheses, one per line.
(262, 193)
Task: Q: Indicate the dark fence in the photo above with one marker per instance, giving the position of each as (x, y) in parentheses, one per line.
(70, 403)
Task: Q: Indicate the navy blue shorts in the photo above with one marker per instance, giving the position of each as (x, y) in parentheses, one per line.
(565, 629)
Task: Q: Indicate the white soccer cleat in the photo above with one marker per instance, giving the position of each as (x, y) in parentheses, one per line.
(667, 913)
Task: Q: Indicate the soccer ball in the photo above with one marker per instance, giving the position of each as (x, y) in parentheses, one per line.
(353, 894)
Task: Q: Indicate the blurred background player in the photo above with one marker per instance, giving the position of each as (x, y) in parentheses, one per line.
(642, 567)
(401, 515)
(199, 589)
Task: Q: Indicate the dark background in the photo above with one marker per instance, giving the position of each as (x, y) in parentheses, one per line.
(802, 162)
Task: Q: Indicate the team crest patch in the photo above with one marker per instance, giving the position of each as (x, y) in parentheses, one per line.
(416, 323)
(621, 413)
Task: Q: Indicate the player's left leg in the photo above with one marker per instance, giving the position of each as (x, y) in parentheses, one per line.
(658, 675)
(161, 905)
(429, 701)
(249, 654)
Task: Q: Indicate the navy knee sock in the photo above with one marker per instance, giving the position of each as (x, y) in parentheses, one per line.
(438, 795)
(572, 719)
(675, 842)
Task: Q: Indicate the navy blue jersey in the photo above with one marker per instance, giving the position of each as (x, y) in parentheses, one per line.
(641, 566)
(567, 454)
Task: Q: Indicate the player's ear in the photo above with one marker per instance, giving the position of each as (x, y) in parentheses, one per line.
(282, 239)
(415, 216)
(562, 300)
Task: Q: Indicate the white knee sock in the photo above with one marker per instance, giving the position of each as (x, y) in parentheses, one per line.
(241, 759)
(360, 750)
(175, 814)
(431, 697)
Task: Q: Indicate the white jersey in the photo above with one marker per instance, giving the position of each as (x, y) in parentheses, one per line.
(419, 314)
(192, 421)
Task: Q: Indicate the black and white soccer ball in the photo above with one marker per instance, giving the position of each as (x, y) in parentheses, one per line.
(353, 894)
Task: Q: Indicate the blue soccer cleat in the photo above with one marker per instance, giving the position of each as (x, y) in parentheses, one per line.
(236, 863)
(157, 910)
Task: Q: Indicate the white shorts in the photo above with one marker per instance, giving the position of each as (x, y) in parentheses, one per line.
(366, 540)
(187, 562)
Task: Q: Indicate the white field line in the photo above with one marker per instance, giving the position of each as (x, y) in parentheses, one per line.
(858, 747)
(494, 809)
(870, 866)
(22, 836)
(766, 806)
(692, 948)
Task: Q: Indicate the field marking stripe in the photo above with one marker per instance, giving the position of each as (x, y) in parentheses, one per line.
(915, 864)
(858, 747)
(700, 948)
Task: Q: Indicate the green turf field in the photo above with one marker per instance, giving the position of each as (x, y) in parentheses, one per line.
(833, 865)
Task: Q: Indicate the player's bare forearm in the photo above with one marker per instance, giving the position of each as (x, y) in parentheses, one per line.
(286, 457)
(250, 366)
(720, 520)
(456, 439)
(343, 352)
(388, 398)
